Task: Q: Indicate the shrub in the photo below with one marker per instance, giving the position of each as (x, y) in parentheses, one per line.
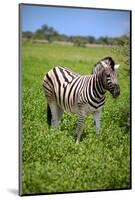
(123, 49)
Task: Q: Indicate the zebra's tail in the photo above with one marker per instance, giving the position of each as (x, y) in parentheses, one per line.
(49, 115)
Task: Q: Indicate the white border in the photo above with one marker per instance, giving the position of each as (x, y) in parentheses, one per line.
(9, 98)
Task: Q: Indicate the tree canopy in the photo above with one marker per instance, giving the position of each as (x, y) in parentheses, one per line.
(50, 34)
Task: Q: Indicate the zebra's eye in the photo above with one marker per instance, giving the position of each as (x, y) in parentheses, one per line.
(108, 75)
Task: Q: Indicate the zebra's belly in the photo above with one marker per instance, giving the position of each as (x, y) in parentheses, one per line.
(70, 108)
(84, 108)
(89, 108)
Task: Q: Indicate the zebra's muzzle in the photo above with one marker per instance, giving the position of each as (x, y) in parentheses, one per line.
(115, 91)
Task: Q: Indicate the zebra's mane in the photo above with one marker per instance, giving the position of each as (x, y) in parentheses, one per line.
(105, 62)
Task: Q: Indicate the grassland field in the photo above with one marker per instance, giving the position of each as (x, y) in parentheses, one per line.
(51, 161)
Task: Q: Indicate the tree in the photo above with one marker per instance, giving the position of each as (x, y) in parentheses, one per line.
(91, 39)
(27, 34)
(79, 41)
(48, 32)
(39, 34)
(123, 48)
(103, 40)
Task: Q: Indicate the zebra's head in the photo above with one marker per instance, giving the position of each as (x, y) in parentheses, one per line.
(109, 75)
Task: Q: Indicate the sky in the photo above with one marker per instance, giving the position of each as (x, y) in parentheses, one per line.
(76, 21)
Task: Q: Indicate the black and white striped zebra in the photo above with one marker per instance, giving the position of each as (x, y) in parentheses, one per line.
(68, 91)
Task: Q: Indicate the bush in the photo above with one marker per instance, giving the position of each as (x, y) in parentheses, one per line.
(79, 43)
(124, 121)
(123, 49)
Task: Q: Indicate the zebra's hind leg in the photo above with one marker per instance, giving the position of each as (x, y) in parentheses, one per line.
(56, 114)
(60, 113)
(97, 118)
(79, 129)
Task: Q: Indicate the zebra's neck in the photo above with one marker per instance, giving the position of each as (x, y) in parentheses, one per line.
(98, 85)
(93, 91)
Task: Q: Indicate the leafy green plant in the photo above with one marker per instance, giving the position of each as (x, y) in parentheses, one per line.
(123, 49)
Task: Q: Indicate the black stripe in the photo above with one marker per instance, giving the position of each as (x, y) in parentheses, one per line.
(99, 85)
(63, 74)
(90, 97)
(84, 91)
(95, 92)
(51, 83)
(48, 83)
(47, 89)
(100, 80)
(69, 73)
(49, 79)
(101, 104)
(59, 84)
(96, 107)
(71, 90)
(64, 102)
(76, 89)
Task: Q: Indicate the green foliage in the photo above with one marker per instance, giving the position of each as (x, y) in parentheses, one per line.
(39, 34)
(51, 161)
(123, 49)
(27, 34)
(79, 41)
(124, 121)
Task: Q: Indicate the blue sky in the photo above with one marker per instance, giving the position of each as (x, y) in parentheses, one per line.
(74, 21)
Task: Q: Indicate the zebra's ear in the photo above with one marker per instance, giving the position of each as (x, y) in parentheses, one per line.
(116, 66)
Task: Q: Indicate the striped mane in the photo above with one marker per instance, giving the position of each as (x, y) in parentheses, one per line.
(105, 62)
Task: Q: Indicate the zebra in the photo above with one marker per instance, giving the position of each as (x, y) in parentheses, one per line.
(68, 91)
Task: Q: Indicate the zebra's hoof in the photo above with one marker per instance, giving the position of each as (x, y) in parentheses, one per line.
(75, 134)
(77, 141)
(98, 132)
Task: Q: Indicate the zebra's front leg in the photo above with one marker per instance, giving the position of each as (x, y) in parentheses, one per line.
(79, 129)
(97, 118)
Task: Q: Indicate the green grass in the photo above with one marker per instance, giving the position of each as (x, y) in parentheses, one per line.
(51, 161)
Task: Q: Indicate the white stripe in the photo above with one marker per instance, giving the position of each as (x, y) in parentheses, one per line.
(104, 64)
